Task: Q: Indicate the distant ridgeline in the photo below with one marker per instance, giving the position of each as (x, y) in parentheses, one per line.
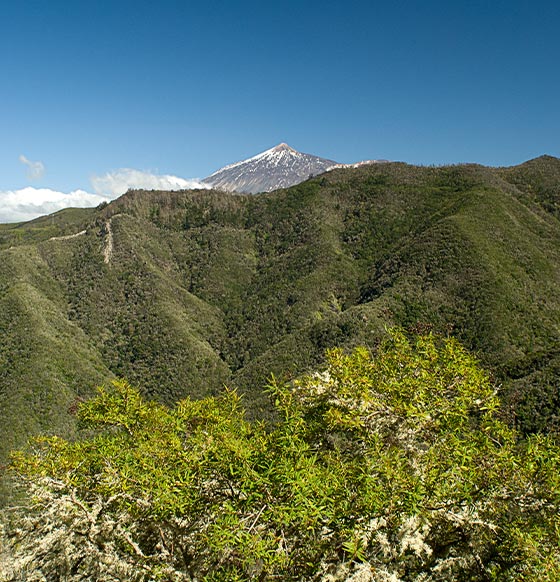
(183, 292)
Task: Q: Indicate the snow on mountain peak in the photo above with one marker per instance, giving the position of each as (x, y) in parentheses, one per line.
(278, 167)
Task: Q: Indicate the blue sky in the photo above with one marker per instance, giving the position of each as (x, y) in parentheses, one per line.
(183, 88)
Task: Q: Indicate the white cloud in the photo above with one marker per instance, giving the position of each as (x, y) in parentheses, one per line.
(119, 181)
(29, 203)
(35, 170)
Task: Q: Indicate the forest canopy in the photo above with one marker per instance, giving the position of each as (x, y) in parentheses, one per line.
(392, 465)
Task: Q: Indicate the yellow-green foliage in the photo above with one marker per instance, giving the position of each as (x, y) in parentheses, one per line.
(385, 466)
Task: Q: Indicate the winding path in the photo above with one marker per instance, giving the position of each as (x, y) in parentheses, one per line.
(68, 236)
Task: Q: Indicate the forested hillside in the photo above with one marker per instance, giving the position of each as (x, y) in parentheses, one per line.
(183, 292)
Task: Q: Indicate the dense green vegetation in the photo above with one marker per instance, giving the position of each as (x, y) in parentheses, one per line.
(183, 292)
(386, 467)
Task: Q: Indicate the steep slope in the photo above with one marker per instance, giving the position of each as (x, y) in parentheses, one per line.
(203, 289)
(278, 167)
(539, 179)
(443, 248)
(135, 304)
(46, 360)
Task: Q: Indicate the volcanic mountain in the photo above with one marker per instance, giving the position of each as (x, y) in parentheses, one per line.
(278, 167)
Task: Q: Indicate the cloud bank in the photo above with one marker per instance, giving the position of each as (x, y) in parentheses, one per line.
(29, 203)
(35, 170)
(119, 181)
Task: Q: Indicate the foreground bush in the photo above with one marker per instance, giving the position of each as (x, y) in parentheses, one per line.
(385, 467)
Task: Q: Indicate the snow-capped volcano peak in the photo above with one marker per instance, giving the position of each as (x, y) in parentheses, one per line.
(278, 167)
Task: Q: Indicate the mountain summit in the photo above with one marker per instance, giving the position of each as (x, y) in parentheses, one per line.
(278, 167)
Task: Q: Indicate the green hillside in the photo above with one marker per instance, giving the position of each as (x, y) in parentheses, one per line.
(183, 292)
(46, 360)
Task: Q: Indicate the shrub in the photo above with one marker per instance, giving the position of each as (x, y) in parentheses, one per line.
(384, 467)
